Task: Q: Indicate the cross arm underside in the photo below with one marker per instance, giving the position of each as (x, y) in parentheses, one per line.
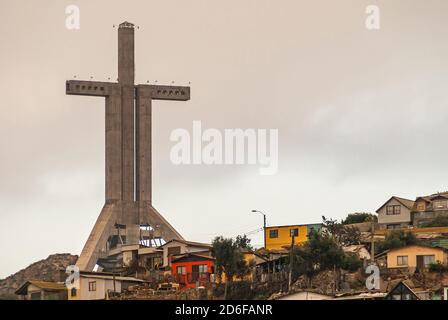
(161, 92)
(89, 88)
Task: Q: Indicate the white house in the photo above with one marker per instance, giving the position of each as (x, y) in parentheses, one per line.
(98, 285)
(176, 247)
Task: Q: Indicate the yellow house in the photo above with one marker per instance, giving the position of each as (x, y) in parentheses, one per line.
(416, 256)
(278, 237)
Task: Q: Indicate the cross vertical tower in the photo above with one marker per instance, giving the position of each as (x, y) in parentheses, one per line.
(128, 154)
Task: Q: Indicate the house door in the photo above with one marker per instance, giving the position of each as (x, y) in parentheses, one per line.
(195, 273)
(420, 262)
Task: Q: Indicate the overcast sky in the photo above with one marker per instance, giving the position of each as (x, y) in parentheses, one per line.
(362, 115)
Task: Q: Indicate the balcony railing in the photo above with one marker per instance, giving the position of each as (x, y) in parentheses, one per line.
(201, 278)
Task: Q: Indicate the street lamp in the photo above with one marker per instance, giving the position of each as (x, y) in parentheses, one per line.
(264, 225)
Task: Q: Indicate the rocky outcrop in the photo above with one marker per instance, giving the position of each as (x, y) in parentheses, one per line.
(50, 269)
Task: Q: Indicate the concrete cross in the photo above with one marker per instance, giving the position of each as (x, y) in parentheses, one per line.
(128, 151)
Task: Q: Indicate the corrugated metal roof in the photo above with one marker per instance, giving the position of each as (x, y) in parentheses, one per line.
(107, 277)
(44, 285)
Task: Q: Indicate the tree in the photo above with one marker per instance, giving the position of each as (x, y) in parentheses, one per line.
(343, 235)
(321, 252)
(359, 217)
(351, 262)
(229, 257)
(397, 239)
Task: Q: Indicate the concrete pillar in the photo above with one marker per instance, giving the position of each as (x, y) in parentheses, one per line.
(113, 145)
(126, 81)
(144, 145)
(127, 104)
(126, 54)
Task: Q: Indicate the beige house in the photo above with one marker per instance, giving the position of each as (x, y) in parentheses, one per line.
(42, 290)
(427, 208)
(395, 213)
(416, 256)
(99, 285)
(176, 247)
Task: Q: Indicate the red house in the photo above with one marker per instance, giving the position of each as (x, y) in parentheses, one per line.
(191, 269)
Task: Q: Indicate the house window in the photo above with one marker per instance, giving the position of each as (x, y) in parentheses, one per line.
(203, 268)
(427, 260)
(273, 234)
(173, 250)
(182, 270)
(35, 296)
(421, 206)
(393, 226)
(73, 292)
(294, 232)
(440, 205)
(393, 210)
(402, 260)
(92, 286)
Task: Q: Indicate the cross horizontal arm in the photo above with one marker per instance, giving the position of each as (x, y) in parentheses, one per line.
(88, 88)
(177, 93)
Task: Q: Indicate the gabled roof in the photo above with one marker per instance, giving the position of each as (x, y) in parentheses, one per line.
(189, 243)
(44, 285)
(406, 284)
(405, 202)
(418, 245)
(434, 196)
(191, 257)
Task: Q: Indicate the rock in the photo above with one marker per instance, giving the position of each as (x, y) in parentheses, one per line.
(50, 269)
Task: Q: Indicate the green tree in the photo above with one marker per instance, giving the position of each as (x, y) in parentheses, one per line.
(229, 257)
(323, 252)
(342, 234)
(351, 262)
(359, 217)
(397, 239)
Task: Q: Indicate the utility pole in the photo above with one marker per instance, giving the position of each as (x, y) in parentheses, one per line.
(291, 257)
(113, 279)
(264, 229)
(372, 245)
(264, 225)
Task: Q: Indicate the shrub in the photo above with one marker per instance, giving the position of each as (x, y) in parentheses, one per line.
(437, 267)
(351, 262)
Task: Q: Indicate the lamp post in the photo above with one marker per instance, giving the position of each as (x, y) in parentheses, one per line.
(264, 225)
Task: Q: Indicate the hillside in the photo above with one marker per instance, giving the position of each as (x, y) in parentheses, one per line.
(50, 269)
